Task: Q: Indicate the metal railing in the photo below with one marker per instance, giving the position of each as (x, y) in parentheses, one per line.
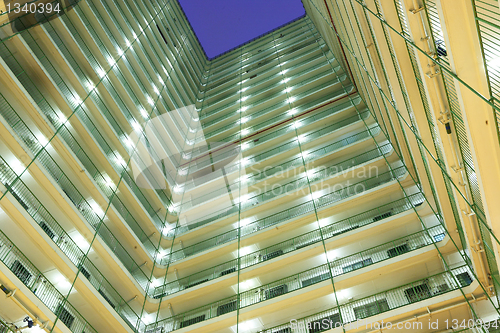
(283, 167)
(287, 214)
(58, 235)
(338, 267)
(41, 287)
(366, 307)
(285, 188)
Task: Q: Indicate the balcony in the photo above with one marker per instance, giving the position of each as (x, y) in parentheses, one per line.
(338, 267)
(39, 285)
(350, 312)
(283, 216)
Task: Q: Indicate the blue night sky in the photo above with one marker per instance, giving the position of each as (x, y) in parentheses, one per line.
(224, 24)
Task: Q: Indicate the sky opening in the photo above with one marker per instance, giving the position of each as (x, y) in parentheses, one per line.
(222, 25)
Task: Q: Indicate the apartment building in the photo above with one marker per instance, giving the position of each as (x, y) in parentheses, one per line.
(337, 174)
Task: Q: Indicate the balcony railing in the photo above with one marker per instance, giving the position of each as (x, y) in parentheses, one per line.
(338, 267)
(24, 132)
(252, 178)
(266, 88)
(300, 182)
(4, 328)
(283, 96)
(297, 39)
(290, 213)
(286, 146)
(298, 161)
(360, 309)
(68, 187)
(317, 102)
(95, 96)
(58, 235)
(306, 57)
(354, 311)
(41, 287)
(297, 55)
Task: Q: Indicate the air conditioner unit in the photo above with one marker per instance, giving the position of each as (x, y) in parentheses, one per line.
(228, 271)
(318, 324)
(276, 291)
(225, 308)
(64, 316)
(272, 255)
(155, 330)
(192, 321)
(107, 298)
(45, 227)
(21, 272)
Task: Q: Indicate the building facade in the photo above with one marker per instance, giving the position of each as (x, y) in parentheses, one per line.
(339, 173)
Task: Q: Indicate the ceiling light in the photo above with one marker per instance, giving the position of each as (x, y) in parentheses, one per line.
(90, 85)
(178, 189)
(80, 241)
(244, 178)
(42, 139)
(111, 61)
(316, 195)
(495, 62)
(148, 318)
(247, 221)
(136, 126)
(166, 230)
(245, 250)
(62, 118)
(252, 325)
(100, 72)
(332, 255)
(77, 99)
(324, 222)
(128, 141)
(96, 208)
(108, 181)
(120, 160)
